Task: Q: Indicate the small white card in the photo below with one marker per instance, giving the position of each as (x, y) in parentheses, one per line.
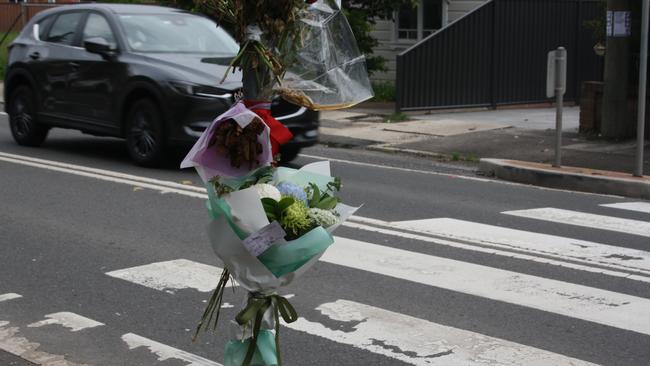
(261, 240)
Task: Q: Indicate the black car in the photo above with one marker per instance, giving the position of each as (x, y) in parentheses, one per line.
(149, 74)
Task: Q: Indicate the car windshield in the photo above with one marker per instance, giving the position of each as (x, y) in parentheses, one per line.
(177, 33)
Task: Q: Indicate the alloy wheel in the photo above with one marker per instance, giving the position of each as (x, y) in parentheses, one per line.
(142, 134)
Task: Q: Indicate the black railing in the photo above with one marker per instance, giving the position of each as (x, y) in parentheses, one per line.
(496, 55)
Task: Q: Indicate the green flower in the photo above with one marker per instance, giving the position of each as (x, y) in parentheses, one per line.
(323, 218)
(295, 219)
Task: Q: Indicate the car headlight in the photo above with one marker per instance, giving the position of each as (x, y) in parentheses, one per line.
(204, 91)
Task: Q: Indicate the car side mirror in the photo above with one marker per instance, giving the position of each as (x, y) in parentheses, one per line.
(97, 45)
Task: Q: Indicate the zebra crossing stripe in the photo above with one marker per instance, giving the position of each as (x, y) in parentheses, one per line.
(563, 298)
(420, 342)
(631, 206)
(74, 322)
(172, 275)
(541, 244)
(592, 221)
(572, 300)
(583, 265)
(9, 296)
(165, 352)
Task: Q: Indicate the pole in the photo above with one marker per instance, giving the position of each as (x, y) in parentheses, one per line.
(23, 14)
(560, 59)
(617, 120)
(643, 74)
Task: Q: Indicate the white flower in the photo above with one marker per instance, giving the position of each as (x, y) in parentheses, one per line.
(323, 218)
(268, 191)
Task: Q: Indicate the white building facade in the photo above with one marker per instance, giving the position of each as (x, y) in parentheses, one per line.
(412, 25)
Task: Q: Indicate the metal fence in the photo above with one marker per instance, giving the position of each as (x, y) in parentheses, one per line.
(13, 17)
(496, 55)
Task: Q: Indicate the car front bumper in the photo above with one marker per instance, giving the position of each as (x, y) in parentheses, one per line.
(190, 116)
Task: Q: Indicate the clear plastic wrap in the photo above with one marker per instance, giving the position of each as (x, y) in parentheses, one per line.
(328, 71)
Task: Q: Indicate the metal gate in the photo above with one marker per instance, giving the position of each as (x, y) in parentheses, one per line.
(496, 55)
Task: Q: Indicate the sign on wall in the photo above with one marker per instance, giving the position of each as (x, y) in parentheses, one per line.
(619, 23)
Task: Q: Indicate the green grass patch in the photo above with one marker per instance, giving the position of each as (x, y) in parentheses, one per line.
(4, 50)
(397, 117)
(471, 157)
(384, 91)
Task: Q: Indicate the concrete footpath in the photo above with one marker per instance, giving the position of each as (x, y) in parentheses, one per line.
(511, 144)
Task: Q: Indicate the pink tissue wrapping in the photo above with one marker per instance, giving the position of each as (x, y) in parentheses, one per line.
(209, 163)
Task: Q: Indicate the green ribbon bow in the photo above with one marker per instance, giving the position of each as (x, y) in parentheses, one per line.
(255, 310)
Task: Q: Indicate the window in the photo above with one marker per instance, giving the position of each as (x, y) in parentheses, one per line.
(64, 27)
(42, 26)
(421, 21)
(432, 16)
(407, 22)
(97, 26)
(176, 33)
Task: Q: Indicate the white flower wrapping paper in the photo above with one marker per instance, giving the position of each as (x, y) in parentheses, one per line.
(249, 215)
(209, 163)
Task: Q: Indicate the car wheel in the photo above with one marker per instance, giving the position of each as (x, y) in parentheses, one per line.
(22, 118)
(144, 133)
(288, 153)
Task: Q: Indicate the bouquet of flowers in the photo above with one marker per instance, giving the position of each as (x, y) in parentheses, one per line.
(303, 50)
(268, 226)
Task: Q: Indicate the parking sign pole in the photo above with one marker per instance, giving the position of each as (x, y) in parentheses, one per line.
(643, 74)
(560, 77)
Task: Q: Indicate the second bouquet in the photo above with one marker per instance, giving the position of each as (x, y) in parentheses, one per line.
(268, 227)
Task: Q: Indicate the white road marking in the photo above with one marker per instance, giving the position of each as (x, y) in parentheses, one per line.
(9, 296)
(571, 300)
(109, 173)
(172, 187)
(165, 352)
(635, 227)
(199, 192)
(465, 177)
(172, 275)
(4, 113)
(370, 165)
(563, 298)
(561, 261)
(69, 320)
(632, 206)
(420, 342)
(551, 245)
(110, 178)
(28, 350)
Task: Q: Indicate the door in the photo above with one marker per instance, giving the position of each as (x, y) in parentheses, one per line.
(93, 84)
(56, 65)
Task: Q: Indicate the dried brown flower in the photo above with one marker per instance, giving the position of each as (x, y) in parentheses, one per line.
(239, 144)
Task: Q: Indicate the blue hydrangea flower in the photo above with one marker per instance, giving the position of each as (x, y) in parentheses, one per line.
(293, 190)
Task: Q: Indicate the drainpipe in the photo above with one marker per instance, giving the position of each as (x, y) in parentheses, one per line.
(445, 13)
(643, 69)
(420, 23)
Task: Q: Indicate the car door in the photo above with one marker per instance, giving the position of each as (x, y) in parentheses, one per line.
(56, 64)
(93, 85)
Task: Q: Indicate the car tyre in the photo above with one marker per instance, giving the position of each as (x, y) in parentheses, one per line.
(145, 138)
(23, 122)
(288, 153)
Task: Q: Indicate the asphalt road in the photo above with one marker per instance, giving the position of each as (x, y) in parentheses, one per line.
(440, 266)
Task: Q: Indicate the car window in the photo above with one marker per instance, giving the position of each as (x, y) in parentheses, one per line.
(64, 27)
(97, 26)
(176, 33)
(42, 26)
